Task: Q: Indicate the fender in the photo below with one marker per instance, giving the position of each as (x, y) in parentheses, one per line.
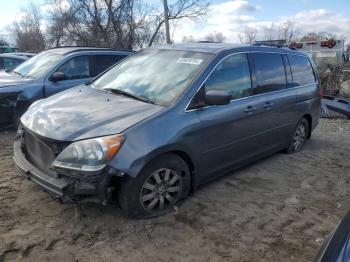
(138, 164)
(15, 100)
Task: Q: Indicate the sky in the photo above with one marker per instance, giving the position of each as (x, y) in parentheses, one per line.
(233, 17)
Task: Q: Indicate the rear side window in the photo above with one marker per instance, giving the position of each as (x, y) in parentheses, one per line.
(270, 73)
(233, 75)
(76, 68)
(302, 71)
(103, 62)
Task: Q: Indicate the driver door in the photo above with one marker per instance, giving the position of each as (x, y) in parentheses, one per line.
(77, 71)
(230, 133)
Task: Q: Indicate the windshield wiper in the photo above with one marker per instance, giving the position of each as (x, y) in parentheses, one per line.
(121, 92)
(17, 73)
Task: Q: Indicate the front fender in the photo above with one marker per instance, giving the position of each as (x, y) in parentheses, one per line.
(136, 165)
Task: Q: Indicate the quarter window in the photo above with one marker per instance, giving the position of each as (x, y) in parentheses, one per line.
(102, 62)
(76, 68)
(302, 71)
(233, 75)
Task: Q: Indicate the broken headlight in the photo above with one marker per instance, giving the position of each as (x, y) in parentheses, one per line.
(90, 154)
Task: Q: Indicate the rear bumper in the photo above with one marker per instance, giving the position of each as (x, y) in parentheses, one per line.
(61, 187)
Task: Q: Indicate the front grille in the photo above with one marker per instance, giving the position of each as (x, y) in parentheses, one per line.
(40, 152)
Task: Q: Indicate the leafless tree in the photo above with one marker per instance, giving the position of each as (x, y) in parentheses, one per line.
(28, 32)
(188, 39)
(180, 9)
(127, 24)
(286, 31)
(249, 36)
(215, 37)
(270, 32)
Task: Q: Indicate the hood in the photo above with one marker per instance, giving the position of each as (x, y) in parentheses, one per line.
(84, 112)
(7, 79)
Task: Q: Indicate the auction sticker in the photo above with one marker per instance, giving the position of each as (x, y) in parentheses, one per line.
(189, 60)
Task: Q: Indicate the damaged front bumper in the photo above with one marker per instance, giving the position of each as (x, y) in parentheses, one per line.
(64, 188)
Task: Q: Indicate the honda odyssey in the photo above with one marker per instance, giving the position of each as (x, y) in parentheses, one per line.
(152, 128)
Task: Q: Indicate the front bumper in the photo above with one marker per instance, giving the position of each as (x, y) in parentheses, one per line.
(61, 187)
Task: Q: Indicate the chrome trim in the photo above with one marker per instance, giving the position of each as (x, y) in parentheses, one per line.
(242, 98)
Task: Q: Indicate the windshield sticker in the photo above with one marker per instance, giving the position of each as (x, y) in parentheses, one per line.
(189, 60)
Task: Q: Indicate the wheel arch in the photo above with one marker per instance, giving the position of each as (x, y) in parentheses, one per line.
(308, 117)
(138, 166)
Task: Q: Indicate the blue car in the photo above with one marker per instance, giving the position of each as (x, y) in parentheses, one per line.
(48, 73)
(9, 62)
(152, 128)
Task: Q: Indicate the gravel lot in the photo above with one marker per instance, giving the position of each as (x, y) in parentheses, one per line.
(278, 209)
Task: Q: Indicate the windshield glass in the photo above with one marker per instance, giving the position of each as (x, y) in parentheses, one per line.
(38, 65)
(159, 76)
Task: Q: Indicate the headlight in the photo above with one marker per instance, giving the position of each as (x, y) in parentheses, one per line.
(89, 155)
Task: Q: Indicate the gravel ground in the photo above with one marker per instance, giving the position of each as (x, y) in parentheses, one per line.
(278, 209)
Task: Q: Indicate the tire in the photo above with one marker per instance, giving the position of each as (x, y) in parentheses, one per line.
(158, 187)
(299, 137)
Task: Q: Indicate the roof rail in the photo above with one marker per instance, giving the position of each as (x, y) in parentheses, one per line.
(88, 47)
(208, 42)
(275, 45)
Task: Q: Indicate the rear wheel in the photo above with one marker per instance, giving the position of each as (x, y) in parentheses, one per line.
(155, 191)
(299, 136)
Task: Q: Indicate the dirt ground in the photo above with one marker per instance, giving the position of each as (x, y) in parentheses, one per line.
(279, 209)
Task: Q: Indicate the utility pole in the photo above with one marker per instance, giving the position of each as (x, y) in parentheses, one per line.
(166, 21)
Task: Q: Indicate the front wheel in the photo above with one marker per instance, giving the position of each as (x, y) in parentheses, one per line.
(299, 136)
(155, 191)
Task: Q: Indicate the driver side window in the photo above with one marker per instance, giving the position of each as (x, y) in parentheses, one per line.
(76, 68)
(233, 75)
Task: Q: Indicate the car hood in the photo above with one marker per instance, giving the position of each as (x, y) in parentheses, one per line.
(7, 79)
(84, 112)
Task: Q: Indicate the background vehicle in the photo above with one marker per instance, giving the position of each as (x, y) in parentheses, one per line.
(11, 61)
(29, 55)
(337, 246)
(51, 72)
(166, 120)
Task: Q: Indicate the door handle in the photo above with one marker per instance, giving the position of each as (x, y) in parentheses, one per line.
(268, 105)
(249, 109)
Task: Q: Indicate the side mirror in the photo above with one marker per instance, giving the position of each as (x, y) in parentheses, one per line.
(217, 97)
(58, 76)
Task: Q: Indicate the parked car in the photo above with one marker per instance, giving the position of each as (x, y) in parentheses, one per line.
(151, 129)
(48, 73)
(9, 62)
(337, 246)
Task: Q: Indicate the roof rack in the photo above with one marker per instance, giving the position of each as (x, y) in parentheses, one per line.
(275, 45)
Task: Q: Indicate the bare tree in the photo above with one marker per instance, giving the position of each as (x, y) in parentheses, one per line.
(180, 9)
(28, 32)
(286, 31)
(270, 32)
(249, 36)
(125, 24)
(188, 39)
(215, 37)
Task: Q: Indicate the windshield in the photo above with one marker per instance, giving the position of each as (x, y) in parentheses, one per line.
(38, 65)
(159, 76)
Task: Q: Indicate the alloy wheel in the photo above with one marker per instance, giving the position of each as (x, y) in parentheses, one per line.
(299, 137)
(161, 190)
